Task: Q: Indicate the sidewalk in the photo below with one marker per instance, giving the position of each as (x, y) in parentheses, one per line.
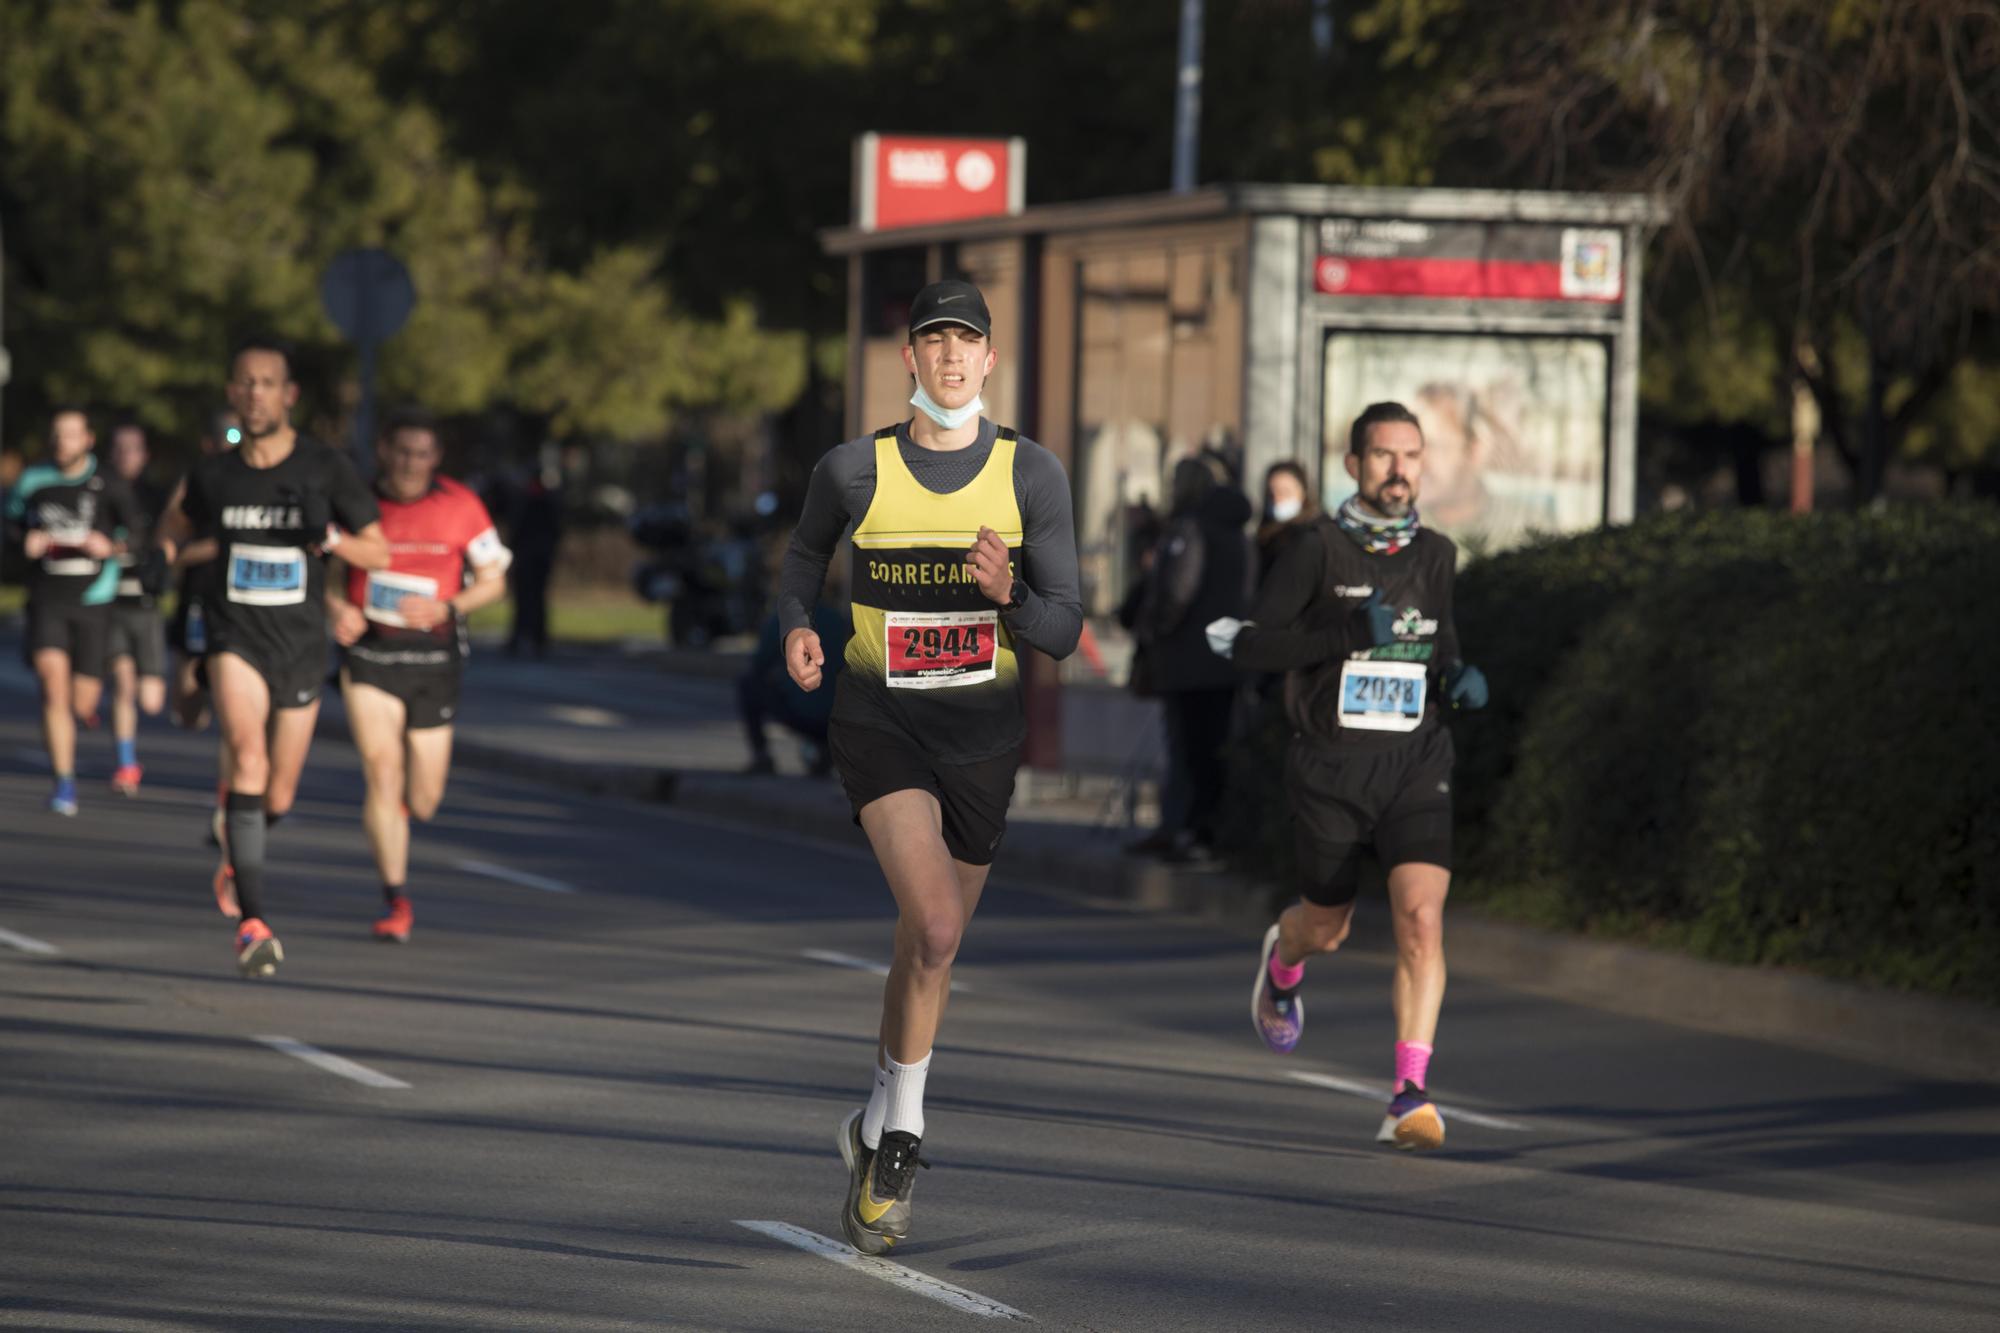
(661, 726)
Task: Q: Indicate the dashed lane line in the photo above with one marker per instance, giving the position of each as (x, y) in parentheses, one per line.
(520, 877)
(28, 944)
(909, 1279)
(1374, 1094)
(838, 959)
(331, 1063)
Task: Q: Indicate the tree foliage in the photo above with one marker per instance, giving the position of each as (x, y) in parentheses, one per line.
(1832, 166)
(177, 175)
(611, 207)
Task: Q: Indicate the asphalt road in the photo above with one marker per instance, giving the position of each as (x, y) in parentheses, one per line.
(620, 1034)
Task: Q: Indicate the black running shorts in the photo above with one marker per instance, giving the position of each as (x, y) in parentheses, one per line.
(294, 677)
(137, 632)
(1397, 801)
(429, 691)
(974, 797)
(67, 627)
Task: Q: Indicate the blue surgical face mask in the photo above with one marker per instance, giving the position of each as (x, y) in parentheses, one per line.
(948, 417)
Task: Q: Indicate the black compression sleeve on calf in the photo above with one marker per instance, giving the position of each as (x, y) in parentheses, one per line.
(246, 850)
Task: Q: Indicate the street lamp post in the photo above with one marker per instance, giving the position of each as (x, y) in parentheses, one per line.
(1187, 97)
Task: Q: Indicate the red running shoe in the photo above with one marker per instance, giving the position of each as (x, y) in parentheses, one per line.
(126, 780)
(258, 952)
(393, 926)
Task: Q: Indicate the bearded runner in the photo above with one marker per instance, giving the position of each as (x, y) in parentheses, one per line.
(1357, 612)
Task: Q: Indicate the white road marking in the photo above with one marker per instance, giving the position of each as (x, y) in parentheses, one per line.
(845, 960)
(332, 1064)
(582, 715)
(1374, 1093)
(958, 1298)
(839, 959)
(28, 943)
(521, 877)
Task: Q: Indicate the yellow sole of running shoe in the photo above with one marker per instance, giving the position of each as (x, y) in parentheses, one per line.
(1420, 1131)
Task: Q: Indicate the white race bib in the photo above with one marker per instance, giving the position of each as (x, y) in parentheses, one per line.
(266, 575)
(931, 650)
(66, 555)
(386, 592)
(1382, 696)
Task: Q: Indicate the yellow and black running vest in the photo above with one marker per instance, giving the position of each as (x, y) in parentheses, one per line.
(925, 637)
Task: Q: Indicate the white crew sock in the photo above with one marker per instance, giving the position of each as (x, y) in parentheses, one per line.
(878, 1106)
(906, 1096)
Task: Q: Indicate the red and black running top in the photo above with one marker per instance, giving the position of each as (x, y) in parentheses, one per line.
(432, 540)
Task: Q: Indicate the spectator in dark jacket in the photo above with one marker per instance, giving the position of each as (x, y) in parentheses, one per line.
(1288, 507)
(1200, 572)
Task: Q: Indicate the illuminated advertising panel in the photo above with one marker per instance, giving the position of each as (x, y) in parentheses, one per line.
(1514, 427)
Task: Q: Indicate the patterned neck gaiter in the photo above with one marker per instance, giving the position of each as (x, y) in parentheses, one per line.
(1377, 536)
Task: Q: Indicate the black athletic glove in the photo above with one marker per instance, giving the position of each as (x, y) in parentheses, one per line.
(315, 513)
(153, 572)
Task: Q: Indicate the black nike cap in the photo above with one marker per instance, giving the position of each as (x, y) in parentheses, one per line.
(951, 302)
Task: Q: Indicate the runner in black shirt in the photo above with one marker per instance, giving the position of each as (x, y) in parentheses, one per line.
(272, 504)
(135, 652)
(1357, 612)
(195, 566)
(68, 514)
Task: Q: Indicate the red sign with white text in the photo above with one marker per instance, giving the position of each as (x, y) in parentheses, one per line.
(903, 181)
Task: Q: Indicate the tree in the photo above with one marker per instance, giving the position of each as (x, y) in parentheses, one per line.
(1837, 160)
(174, 176)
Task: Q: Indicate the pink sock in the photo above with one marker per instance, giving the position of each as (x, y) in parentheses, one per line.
(1286, 978)
(1413, 1062)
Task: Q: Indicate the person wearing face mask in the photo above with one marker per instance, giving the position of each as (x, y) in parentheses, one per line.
(1357, 612)
(964, 552)
(1288, 507)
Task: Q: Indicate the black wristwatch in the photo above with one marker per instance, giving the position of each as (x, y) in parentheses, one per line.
(1017, 596)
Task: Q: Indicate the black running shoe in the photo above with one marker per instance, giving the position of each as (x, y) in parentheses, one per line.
(884, 1205)
(858, 1157)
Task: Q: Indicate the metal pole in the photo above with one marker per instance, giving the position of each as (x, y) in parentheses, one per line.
(1187, 98)
(364, 414)
(6, 364)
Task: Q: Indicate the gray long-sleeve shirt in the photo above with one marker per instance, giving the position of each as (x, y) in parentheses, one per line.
(1050, 617)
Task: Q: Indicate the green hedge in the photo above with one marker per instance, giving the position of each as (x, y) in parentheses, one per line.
(1759, 738)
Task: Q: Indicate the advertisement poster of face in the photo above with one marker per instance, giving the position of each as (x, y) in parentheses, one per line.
(1514, 427)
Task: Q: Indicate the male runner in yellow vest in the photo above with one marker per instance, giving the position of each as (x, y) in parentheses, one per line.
(963, 548)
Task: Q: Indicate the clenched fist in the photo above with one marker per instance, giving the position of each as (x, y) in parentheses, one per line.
(348, 623)
(804, 658)
(991, 569)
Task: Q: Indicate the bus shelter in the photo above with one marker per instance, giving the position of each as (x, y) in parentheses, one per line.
(1258, 320)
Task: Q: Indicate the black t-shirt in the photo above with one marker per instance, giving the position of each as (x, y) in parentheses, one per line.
(1311, 622)
(267, 587)
(67, 509)
(148, 499)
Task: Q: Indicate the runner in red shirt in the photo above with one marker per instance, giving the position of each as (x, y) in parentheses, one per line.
(403, 629)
